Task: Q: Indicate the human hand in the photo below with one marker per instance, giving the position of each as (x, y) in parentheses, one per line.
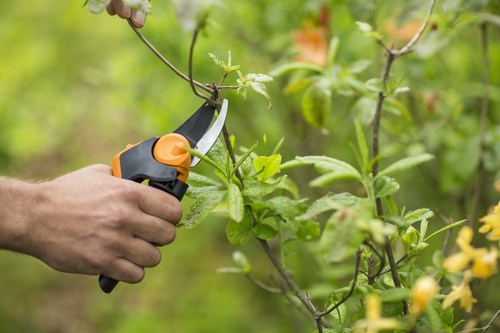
(89, 222)
(138, 17)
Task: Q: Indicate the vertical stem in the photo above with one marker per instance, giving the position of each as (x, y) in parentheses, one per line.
(483, 123)
(375, 152)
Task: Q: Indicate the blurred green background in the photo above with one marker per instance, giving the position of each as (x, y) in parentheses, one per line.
(76, 87)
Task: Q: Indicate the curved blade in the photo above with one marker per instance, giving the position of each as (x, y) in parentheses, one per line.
(208, 140)
(193, 128)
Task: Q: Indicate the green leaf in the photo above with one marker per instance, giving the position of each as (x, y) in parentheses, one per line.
(267, 166)
(410, 238)
(385, 186)
(241, 260)
(217, 61)
(332, 168)
(448, 227)
(235, 202)
(406, 163)
(418, 215)
(375, 85)
(288, 209)
(200, 180)
(331, 201)
(332, 50)
(243, 158)
(258, 189)
(316, 103)
(367, 29)
(288, 68)
(240, 233)
(395, 294)
(362, 145)
(204, 204)
(264, 231)
(307, 230)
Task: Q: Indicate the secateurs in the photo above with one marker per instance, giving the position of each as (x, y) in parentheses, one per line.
(165, 162)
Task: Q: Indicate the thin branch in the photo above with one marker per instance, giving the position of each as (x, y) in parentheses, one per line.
(351, 290)
(262, 285)
(491, 321)
(411, 44)
(483, 124)
(190, 66)
(381, 259)
(165, 61)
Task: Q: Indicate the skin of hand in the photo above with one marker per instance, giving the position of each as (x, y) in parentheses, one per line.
(119, 8)
(89, 222)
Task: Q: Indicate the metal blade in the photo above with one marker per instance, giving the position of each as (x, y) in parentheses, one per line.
(210, 137)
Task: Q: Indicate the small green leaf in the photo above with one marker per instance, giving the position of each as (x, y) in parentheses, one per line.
(385, 186)
(448, 227)
(410, 238)
(367, 29)
(235, 202)
(239, 233)
(267, 166)
(418, 215)
(264, 231)
(362, 145)
(406, 163)
(241, 260)
(316, 103)
(217, 61)
(332, 50)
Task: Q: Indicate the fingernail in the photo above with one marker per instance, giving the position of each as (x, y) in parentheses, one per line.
(138, 17)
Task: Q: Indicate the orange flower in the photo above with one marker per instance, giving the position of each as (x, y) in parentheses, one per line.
(312, 44)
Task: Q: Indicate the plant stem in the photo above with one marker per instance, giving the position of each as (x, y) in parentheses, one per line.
(483, 123)
(190, 67)
(391, 56)
(166, 62)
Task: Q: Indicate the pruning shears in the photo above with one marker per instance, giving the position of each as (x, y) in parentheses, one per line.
(165, 162)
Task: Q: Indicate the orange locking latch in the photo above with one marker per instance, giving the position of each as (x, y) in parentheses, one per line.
(170, 149)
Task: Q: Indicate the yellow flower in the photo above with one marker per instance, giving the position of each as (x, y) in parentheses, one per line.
(459, 261)
(462, 293)
(421, 294)
(492, 224)
(485, 263)
(373, 322)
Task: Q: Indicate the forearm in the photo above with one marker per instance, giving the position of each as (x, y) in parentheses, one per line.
(18, 201)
